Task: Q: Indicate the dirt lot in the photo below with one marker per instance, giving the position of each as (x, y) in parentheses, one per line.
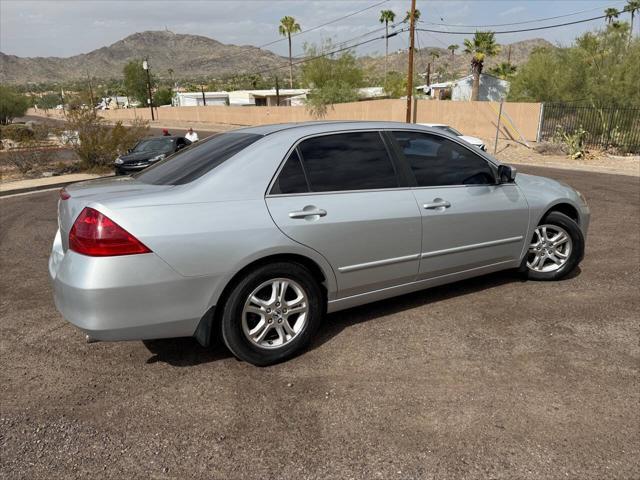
(490, 378)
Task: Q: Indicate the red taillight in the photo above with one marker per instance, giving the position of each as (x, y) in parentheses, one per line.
(64, 195)
(96, 235)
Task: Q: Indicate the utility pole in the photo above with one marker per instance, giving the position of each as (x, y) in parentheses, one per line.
(277, 92)
(429, 73)
(145, 66)
(204, 98)
(412, 26)
(509, 55)
(93, 103)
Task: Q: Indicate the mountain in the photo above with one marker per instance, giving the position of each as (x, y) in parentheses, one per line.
(458, 64)
(193, 56)
(190, 56)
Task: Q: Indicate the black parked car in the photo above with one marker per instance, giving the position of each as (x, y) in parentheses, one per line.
(148, 151)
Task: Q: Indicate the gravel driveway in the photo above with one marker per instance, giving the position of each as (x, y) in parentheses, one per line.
(493, 377)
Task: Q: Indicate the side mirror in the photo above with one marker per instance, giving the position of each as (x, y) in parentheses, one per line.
(507, 174)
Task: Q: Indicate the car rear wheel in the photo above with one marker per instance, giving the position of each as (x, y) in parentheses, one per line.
(556, 248)
(272, 313)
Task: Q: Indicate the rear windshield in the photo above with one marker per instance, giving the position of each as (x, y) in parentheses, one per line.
(163, 145)
(200, 158)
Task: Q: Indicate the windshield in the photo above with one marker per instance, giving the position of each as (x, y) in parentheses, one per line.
(196, 160)
(163, 145)
(452, 131)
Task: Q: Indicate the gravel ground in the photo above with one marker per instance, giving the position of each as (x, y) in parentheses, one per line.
(493, 377)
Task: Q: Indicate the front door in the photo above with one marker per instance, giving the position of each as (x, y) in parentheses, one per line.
(341, 195)
(468, 220)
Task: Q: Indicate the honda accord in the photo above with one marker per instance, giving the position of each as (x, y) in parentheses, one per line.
(255, 234)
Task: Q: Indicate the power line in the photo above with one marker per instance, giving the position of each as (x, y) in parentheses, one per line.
(520, 30)
(273, 42)
(308, 59)
(513, 23)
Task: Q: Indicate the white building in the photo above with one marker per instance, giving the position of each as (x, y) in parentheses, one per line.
(492, 89)
(264, 98)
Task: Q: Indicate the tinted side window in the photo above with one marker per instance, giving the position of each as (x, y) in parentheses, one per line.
(291, 178)
(438, 161)
(347, 161)
(191, 163)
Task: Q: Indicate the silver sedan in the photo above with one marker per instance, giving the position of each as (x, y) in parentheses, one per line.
(253, 235)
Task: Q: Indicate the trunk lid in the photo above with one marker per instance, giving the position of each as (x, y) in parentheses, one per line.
(98, 191)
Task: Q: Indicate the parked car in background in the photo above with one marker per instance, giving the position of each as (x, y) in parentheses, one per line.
(148, 151)
(255, 234)
(467, 138)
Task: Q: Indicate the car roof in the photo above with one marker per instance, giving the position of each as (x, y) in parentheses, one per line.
(306, 128)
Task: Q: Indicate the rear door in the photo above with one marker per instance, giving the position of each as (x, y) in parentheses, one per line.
(468, 219)
(342, 195)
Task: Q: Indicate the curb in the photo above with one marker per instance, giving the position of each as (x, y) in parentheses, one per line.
(49, 186)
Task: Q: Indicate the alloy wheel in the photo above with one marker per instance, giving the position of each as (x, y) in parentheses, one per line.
(550, 249)
(275, 313)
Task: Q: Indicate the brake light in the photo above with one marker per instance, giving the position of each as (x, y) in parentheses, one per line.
(64, 195)
(96, 235)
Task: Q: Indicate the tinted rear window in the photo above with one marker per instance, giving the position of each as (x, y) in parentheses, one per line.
(193, 162)
(348, 161)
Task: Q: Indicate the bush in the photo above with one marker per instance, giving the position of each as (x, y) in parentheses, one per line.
(16, 132)
(574, 142)
(99, 143)
(27, 158)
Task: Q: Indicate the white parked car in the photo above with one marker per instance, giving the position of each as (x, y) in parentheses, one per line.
(472, 140)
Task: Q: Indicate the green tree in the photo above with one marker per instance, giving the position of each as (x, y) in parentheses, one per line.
(611, 15)
(600, 68)
(135, 81)
(395, 85)
(12, 104)
(332, 79)
(162, 96)
(504, 70)
(48, 100)
(386, 16)
(452, 49)
(289, 26)
(482, 45)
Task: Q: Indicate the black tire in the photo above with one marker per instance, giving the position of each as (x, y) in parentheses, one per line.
(231, 322)
(577, 249)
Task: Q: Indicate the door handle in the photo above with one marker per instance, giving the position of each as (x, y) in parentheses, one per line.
(308, 212)
(438, 203)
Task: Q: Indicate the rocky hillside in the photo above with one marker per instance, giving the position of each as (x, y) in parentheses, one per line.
(188, 55)
(193, 56)
(458, 64)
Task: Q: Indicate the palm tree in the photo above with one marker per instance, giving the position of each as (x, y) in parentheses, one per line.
(504, 71)
(407, 17)
(288, 26)
(386, 16)
(611, 14)
(452, 49)
(632, 7)
(482, 45)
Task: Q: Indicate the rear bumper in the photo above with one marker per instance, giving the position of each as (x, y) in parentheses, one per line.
(132, 297)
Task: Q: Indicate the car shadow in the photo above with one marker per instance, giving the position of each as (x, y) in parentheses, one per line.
(187, 352)
(184, 352)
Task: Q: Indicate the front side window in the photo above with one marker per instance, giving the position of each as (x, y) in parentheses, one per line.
(437, 161)
(347, 161)
(200, 158)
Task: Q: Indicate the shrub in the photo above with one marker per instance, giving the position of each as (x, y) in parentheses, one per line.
(574, 142)
(27, 158)
(16, 132)
(99, 143)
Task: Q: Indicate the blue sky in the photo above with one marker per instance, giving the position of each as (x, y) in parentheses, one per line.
(64, 28)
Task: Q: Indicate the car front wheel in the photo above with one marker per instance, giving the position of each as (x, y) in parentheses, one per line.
(272, 313)
(556, 248)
